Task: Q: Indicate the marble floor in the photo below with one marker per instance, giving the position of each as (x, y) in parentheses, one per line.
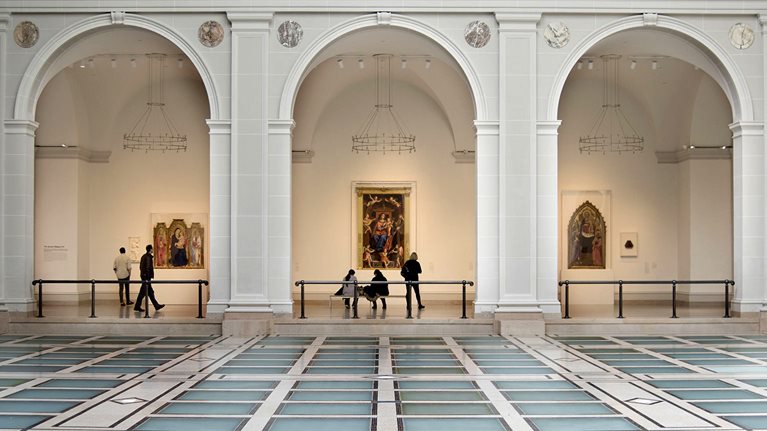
(476, 383)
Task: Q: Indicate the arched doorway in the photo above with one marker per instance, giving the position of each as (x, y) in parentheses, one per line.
(676, 202)
(337, 90)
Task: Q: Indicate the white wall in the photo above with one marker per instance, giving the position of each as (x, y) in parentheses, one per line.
(444, 232)
(100, 205)
(681, 212)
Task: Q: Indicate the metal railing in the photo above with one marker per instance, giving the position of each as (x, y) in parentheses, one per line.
(93, 284)
(673, 284)
(356, 284)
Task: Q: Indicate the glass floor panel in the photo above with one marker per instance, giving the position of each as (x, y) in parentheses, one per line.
(21, 421)
(654, 370)
(36, 406)
(325, 424)
(235, 384)
(583, 424)
(748, 422)
(209, 409)
(56, 394)
(563, 409)
(334, 385)
(198, 424)
(733, 406)
(324, 409)
(345, 395)
(457, 424)
(548, 396)
(691, 384)
(442, 396)
(80, 383)
(448, 409)
(428, 370)
(712, 394)
(217, 395)
(517, 370)
(559, 384)
(251, 370)
(634, 363)
(425, 384)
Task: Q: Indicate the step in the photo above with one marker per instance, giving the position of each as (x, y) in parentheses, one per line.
(114, 326)
(387, 327)
(654, 326)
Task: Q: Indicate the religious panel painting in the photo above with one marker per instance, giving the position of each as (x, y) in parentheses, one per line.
(178, 245)
(383, 227)
(586, 234)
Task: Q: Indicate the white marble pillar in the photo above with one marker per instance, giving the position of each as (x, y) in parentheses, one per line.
(250, 163)
(518, 204)
(546, 217)
(279, 226)
(5, 20)
(488, 278)
(18, 214)
(748, 199)
(220, 259)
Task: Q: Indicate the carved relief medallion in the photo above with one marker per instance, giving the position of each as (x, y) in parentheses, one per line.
(556, 34)
(26, 34)
(210, 34)
(477, 34)
(289, 33)
(741, 35)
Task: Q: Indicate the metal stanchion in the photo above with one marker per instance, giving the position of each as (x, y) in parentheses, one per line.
(354, 304)
(146, 299)
(302, 299)
(620, 299)
(463, 298)
(40, 298)
(673, 299)
(727, 299)
(199, 299)
(408, 289)
(93, 299)
(567, 299)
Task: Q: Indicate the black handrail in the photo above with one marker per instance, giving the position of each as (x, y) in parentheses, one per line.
(463, 283)
(673, 284)
(93, 283)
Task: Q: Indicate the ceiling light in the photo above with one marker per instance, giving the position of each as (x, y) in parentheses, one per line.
(154, 130)
(383, 131)
(340, 63)
(633, 64)
(612, 131)
(82, 65)
(361, 63)
(114, 63)
(427, 64)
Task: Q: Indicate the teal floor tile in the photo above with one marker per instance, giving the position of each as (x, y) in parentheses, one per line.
(548, 396)
(429, 370)
(517, 370)
(326, 424)
(209, 409)
(583, 424)
(7, 406)
(187, 424)
(344, 384)
(235, 384)
(21, 421)
(733, 406)
(345, 395)
(532, 384)
(56, 394)
(80, 383)
(713, 394)
(748, 422)
(329, 409)
(456, 424)
(437, 384)
(654, 370)
(441, 396)
(448, 409)
(219, 395)
(252, 370)
(341, 370)
(689, 384)
(563, 409)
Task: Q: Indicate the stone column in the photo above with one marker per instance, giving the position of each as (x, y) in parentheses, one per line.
(748, 200)
(220, 247)
(250, 166)
(517, 156)
(487, 218)
(5, 20)
(546, 192)
(18, 214)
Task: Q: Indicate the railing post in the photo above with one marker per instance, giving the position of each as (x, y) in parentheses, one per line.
(463, 298)
(408, 299)
(302, 299)
(40, 298)
(727, 299)
(673, 299)
(93, 298)
(620, 299)
(567, 299)
(199, 299)
(354, 303)
(145, 285)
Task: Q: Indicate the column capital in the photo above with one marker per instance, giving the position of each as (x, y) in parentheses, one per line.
(219, 127)
(762, 17)
(281, 127)
(548, 127)
(747, 128)
(21, 127)
(486, 128)
(5, 20)
(244, 21)
(518, 21)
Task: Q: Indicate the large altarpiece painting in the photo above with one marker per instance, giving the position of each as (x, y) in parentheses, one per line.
(383, 226)
(586, 246)
(179, 245)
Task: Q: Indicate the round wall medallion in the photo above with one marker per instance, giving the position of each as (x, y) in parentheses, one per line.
(477, 34)
(26, 34)
(210, 33)
(556, 34)
(289, 33)
(741, 35)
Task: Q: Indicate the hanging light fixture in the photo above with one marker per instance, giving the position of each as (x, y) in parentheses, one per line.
(612, 131)
(154, 130)
(383, 131)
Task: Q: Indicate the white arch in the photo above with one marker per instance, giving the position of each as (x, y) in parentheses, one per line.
(39, 70)
(293, 82)
(730, 77)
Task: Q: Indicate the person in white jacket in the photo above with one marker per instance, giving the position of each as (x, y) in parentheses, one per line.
(122, 270)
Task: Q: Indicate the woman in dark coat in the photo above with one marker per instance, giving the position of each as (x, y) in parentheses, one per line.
(410, 272)
(375, 291)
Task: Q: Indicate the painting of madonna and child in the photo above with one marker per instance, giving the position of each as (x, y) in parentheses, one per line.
(586, 238)
(178, 245)
(383, 227)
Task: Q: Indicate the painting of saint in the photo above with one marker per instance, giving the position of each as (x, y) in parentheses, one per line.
(382, 227)
(196, 246)
(586, 233)
(178, 244)
(161, 246)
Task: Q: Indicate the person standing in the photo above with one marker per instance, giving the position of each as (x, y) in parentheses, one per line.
(410, 272)
(122, 269)
(147, 274)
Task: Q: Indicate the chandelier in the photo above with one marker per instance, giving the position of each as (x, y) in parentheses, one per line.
(154, 130)
(383, 131)
(612, 131)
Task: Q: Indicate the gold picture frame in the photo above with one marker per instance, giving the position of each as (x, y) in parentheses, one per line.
(383, 225)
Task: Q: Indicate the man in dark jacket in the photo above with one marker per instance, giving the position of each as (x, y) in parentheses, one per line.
(147, 274)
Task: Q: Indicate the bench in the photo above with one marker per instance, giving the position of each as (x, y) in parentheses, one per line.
(330, 299)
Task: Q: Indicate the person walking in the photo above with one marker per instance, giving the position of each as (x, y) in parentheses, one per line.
(147, 274)
(410, 272)
(122, 267)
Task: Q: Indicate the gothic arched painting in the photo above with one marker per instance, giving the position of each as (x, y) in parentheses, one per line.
(586, 247)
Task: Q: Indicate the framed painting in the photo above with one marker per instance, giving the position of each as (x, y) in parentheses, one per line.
(382, 226)
(586, 238)
(179, 242)
(161, 245)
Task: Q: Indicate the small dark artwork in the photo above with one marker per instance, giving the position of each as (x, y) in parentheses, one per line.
(586, 234)
(178, 246)
(383, 228)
